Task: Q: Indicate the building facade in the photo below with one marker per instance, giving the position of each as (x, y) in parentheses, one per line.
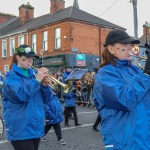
(67, 33)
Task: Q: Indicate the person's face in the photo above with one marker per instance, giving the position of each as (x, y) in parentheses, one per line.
(68, 70)
(24, 62)
(121, 51)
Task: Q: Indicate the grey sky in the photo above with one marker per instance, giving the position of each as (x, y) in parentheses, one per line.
(121, 13)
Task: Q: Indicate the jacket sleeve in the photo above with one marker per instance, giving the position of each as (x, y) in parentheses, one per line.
(46, 93)
(69, 95)
(114, 92)
(18, 91)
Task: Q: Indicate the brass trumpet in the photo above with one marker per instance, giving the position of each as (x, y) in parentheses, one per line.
(139, 60)
(66, 87)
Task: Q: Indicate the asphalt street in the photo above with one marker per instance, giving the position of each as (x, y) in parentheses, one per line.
(76, 138)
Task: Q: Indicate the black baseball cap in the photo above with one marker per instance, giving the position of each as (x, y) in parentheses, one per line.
(25, 50)
(119, 36)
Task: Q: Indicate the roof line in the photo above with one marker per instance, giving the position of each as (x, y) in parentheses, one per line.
(13, 33)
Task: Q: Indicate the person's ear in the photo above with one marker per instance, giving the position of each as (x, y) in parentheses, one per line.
(17, 57)
(110, 49)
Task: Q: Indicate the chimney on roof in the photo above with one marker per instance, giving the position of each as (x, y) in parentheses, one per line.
(56, 5)
(75, 4)
(4, 17)
(146, 28)
(26, 12)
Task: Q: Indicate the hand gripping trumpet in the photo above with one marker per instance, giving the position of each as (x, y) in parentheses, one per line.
(66, 87)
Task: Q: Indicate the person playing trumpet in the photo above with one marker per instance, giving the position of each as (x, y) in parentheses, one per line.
(23, 98)
(122, 95)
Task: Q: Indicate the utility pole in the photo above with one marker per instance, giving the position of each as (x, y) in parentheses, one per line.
(134, 2)
(135, 19)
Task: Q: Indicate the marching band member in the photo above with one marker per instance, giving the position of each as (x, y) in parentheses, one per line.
(53, 117)
(23, 96)
(122, 92)
(66, 74)
(70, 106)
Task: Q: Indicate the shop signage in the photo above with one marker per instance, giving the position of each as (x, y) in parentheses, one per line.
(80, 59)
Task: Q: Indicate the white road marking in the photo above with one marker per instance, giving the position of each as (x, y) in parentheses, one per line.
(89, 112)
(4, 141)
(69, 128)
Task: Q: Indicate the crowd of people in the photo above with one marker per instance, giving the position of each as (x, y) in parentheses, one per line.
(84, 86)
(118, 90)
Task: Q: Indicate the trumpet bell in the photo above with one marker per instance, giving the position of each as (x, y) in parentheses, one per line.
(68, 87)
(140, 59)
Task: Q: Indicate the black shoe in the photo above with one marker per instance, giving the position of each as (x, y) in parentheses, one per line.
(94, 128)
(71, 117)
(43, 139)
(67, 125)
(78, 124)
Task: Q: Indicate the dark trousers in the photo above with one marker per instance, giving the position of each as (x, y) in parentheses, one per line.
(98, 120)
(67, 111)
(57, 129)
(30, 144)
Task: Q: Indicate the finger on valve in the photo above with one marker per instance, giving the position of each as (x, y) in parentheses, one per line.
(42, 73)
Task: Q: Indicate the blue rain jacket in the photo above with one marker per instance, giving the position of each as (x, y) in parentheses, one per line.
(23, 102)
(65, 75)
(53, 111)
(69, 99)
(122, 96)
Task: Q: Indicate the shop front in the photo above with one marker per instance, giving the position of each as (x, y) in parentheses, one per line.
(74, 60)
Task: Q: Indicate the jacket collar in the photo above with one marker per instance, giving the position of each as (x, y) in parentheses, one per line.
(122, 63)
(18, 70)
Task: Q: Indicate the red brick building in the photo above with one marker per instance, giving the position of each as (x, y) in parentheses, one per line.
(61, 34)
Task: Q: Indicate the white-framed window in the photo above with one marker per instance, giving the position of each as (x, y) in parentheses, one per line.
(34, 42)
(45, 40)
(4, 48)
(57, 38)
(20, 40)
(12, 46)
(6, 68)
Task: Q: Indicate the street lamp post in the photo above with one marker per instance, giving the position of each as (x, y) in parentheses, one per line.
(134, 2)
